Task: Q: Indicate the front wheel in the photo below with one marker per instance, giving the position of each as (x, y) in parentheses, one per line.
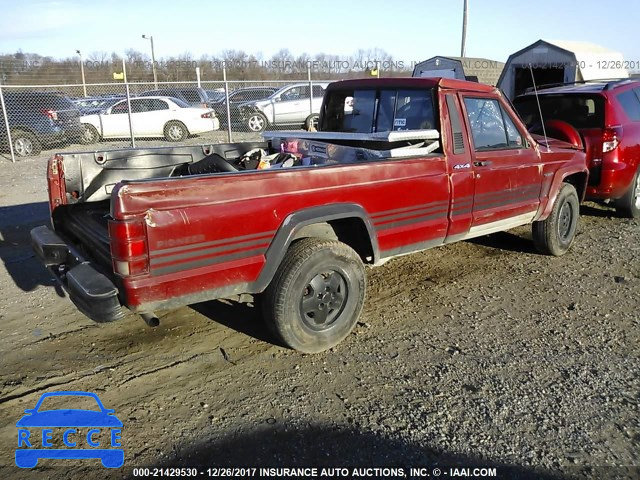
(629, 204)
(175, 131)
(257, 122)
(556, 233)
(315, 297)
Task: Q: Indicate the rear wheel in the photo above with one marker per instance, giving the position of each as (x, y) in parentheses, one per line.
(311, 123)
(89, 134)
(556, 233)
(25, 144)
(629, 204)
(315, 297)
(175, 131)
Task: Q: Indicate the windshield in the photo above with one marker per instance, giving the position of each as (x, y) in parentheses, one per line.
(180, 103)
(580, 111)
(367, 111)
(215, 96)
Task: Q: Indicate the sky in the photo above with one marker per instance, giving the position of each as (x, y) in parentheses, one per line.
(410, 30)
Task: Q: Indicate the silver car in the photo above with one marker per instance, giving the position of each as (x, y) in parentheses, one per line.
(288, 106)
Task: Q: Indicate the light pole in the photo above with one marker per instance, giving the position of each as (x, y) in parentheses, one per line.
(153, 60)
(464, 29)
(84, 85)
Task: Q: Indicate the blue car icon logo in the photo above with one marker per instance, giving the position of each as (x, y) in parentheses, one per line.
(86, 432)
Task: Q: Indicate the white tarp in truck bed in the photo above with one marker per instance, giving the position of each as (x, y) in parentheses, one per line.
(389, 136)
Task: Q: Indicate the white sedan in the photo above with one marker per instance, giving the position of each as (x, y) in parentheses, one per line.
(151, 117)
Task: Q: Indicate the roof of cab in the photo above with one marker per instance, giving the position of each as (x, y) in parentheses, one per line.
(412, 82)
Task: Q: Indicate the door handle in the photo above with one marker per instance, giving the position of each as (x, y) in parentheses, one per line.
(483, 163)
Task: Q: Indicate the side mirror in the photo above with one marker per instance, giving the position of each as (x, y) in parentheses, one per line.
(277, 99)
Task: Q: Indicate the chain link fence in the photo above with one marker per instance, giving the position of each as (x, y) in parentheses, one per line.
(38, 120)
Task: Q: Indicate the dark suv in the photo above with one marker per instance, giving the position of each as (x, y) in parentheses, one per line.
(607, 116)
(38, 119)
(194, 96)
(236, 97)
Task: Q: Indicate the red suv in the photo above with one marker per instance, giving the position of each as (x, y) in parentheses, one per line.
(607, 115)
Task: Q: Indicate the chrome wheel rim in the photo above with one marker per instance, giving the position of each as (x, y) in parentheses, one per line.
(87, 136)
(23, 146)
(323, 300)
(175, 132)
(256, 123)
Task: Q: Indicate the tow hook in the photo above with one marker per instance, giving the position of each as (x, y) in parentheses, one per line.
(150, 319)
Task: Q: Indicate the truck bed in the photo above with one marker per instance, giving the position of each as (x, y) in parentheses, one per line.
(86, 226)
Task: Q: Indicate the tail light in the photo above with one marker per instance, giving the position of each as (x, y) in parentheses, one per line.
(129, 247)
(52, 114)
(611, 138)
(206, 115)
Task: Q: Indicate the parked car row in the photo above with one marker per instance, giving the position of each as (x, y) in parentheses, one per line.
(44, 119)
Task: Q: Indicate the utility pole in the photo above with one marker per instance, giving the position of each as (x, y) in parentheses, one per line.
(464, 29)
(153, 61)
(84, 84)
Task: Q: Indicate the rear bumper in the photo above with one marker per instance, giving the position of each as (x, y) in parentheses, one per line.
(92, 292)
(73, 131)
(613, 179)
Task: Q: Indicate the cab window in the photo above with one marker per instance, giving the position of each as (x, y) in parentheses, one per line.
(491, 126)
(384, 110)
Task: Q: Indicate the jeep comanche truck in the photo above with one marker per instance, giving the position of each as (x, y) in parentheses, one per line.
(399, 165)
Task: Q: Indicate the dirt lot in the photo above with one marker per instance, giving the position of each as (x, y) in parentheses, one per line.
(478, 353)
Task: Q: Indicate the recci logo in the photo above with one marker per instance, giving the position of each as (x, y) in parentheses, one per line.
(49, 431)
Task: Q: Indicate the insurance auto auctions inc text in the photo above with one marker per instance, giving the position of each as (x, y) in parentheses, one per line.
(378, 472)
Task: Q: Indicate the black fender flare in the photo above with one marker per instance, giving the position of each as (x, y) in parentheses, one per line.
(295, 221)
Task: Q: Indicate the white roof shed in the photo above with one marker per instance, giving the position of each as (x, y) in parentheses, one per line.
(557, 61)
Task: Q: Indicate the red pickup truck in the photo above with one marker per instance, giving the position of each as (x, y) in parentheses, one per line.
(398, 166)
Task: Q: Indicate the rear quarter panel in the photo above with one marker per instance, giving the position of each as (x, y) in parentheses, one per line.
(209, 232)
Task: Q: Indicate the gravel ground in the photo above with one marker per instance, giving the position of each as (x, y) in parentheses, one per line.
(474, 354)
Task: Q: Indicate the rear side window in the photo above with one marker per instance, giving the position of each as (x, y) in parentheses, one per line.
(580, 111)
(157, 104)
(630, 104)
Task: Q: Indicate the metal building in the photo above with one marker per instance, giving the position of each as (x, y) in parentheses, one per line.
(556, 62)
(480, 70)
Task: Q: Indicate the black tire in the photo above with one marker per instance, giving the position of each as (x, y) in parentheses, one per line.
(89, 134)
(629, 204)
(311, 123)
(257, 122)
(175, 131)
(316, 295)
(25, 144)
(555, 234)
